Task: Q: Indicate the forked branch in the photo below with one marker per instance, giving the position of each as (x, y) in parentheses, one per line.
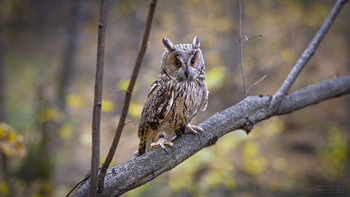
(305, 57)
(128, 95)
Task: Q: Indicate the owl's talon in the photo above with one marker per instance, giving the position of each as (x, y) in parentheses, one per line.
(193, 129)
(161, 143)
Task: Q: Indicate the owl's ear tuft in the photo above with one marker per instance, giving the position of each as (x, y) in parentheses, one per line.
(168, 45)
(196, 43)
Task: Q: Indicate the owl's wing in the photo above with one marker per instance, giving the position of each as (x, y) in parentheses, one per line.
(204, 101)
(158, 104)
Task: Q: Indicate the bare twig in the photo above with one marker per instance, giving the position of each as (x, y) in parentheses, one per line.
(304, 58)
(96, 116)
(246, 38)
(256, 83)
(128, 94)
(245, 114)
(241, 46)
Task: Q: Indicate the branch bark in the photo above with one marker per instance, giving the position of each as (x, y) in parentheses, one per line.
(305, 57)
(244, 115)
(96, 115)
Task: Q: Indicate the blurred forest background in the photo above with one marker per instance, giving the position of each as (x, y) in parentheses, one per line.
(47, 68)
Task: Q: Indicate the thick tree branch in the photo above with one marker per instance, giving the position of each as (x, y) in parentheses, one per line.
(305, 57)
(244, 115)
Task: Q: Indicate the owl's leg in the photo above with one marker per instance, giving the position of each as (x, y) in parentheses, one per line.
(193, 129)
(161, 143)
(180, 131)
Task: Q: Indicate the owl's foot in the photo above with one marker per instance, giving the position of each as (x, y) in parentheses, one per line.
(193, 129)
(161, 143)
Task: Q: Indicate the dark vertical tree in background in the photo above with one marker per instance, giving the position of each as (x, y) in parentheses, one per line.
(74, 25)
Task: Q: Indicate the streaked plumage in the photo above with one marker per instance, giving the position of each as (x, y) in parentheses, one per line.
(175, 97)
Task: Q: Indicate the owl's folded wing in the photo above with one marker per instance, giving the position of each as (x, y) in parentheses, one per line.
(158, 104)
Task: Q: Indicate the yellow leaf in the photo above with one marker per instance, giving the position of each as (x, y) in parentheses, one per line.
(47, 114)
(75, 100)
(215, 77)
(4, 189)
(65, 131)
(288, 55)
(11, 143)
(123, 84)
(135, 109)
(107, 106)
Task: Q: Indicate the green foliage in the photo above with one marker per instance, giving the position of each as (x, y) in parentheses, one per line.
(4, 188)
(334, 153)
(253, 162)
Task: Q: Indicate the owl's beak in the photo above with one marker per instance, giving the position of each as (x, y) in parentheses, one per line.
(186, 73)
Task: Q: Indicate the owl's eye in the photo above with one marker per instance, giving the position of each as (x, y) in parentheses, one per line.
(192, 61)
(177, 63)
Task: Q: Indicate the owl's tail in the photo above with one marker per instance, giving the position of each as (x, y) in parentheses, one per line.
(141, 151)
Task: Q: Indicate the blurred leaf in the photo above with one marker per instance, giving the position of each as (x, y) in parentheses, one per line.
(123, 84)
(334, 152)
(215, 77)
(4, 189)
(48, 113)
(11, 143)
(288, 55)
(65, 131)
(75, 100)
(107, 106)
(135, 109)
(253, 163)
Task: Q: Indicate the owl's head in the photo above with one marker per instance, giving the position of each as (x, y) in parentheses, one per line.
(183, 62)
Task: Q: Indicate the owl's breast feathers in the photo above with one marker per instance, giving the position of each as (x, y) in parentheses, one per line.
(169, 106)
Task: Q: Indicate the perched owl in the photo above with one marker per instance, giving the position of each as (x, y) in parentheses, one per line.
(175, 97)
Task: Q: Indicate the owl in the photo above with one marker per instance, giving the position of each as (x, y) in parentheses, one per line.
(175, 97)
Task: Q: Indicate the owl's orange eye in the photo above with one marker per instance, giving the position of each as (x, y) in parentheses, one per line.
(177, 63)
(192, 61)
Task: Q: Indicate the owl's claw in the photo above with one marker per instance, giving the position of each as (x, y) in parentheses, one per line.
(193, 129)
(161, 143)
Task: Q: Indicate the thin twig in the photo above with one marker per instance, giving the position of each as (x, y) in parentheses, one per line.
(246, 38)
(241, 47)
(256, 83)
(96, 115)
(305, 57)
(128, 94)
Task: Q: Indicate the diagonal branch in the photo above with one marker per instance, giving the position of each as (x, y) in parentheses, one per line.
(128, 94)
(244, 115)
(305, 57)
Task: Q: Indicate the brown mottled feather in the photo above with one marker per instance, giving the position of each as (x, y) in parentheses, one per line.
(176, 96)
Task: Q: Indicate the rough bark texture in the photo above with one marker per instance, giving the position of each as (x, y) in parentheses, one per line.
(253, 109)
